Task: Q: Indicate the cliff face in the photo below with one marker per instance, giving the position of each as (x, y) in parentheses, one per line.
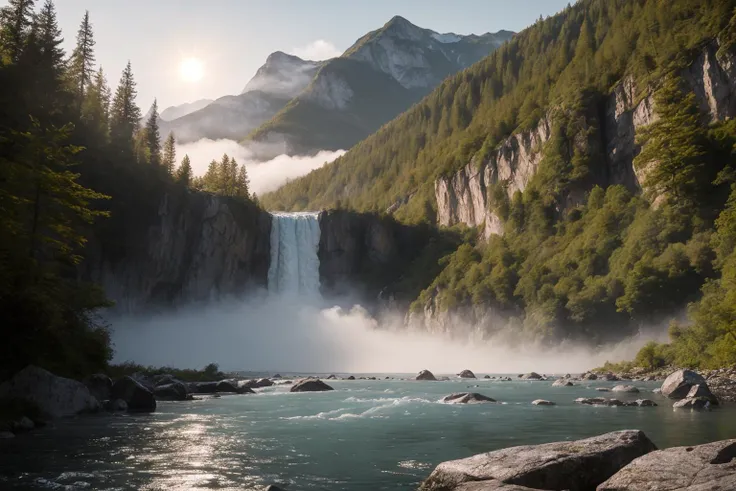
(192, 247)
(463, 197)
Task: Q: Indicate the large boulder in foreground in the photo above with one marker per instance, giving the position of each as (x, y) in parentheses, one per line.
(310, 385)
(576, 465)
(466, 374)
(425, 375)
(136, 396)
(466, 398)
(706, 467)
(678, 384)
(54, 396)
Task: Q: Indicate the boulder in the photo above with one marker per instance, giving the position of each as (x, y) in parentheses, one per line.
(136, 396)
(561, 382)
(567, 375)
(54, 396)
(164, 379)
(310, 385)
(99, 386)
(466, 398)
(626, 388)
(277, 376)
(425, 375)
(590, 376)
(693, 403)
(466, 374)
(175, 391)
(609, 377)
(144, 380)
(23, 424)
(645, 403)
(227, 386)
(202, 387)
(678, 384)
(531, 376)
(542, 402)
(603, 389)
(574, 465)
(487, 376)
(598, 401)
(504, 379)
(116, 405)
(272, 487)
(708, 467)
(264, 382)
(702, 391)
(350, 378)
(333, 377)
(491, 485)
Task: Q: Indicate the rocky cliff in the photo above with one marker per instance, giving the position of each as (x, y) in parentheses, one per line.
(183, 247)
(463, 196)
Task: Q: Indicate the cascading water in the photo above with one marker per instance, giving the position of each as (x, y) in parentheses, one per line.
(294, 261)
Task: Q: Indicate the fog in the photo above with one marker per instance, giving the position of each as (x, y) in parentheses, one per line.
(270, 333)
(264, 176)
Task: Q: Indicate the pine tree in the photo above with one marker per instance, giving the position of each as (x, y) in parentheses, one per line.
(96, 110)
(83, 59)
(184, 172)
(49, 36)
(16, 20)
(243, 183)
(153, 138)
(671, 156)
(125, 116)
(169, 159)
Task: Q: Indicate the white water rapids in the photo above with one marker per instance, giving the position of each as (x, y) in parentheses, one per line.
(294, 265)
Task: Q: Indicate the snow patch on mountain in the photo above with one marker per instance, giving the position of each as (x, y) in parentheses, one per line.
(447, 38)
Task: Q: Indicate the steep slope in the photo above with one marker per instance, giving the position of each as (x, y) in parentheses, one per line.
(174, 112)
(377, 78)
(281, 78)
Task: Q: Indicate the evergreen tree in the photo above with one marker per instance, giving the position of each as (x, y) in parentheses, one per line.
(671, 158)
(243, 183)
(153, 138)
(169, 160)
(96, 109)
(16, 19)
(50, 38)
(125, 116)
(184, 172)
(83, 59)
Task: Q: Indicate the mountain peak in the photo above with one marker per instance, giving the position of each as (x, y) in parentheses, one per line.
(280, 56)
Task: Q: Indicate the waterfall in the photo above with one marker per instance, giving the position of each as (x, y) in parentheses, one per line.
(294, 262)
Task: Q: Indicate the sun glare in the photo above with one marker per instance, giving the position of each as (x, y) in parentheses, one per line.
(191, 70)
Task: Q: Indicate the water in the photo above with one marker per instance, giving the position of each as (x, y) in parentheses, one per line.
(294, 261)
(366, 435)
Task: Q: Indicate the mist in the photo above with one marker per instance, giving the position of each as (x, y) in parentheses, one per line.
(264, 176)
(283, 334)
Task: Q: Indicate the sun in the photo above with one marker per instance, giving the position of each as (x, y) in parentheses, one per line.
(191, 70)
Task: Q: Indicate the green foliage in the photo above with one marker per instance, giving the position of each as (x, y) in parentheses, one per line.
(184, 172)
(153, 137)
(225, 178)
(169, 156)
(209, 373)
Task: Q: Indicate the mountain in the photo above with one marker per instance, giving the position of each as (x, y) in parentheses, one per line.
(275, 83)
(381, 75)
(173, 112)
(591, 162)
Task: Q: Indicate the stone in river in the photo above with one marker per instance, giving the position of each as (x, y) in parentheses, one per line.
(678, 384)
(626, 388)
(466, 398)
(542, 402)
(466, 374)
(425, 375)
(310, 385)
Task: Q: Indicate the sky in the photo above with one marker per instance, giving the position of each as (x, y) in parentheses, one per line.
(232, 38)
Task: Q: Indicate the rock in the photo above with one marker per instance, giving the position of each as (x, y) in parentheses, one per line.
(603, 389)
(228, 386)
(567, 375)
(202, 387)
(425, 375)
(504, 379)
(598, 401)
(609, 377)
(143, 379)
(277, 376)
(574, 465)
(331, 377)
(656, 391)
(310, 385)
(645, 403)
(6, 434)
(264, 382)
(590, 376)
(54, 396)
(626, 388)
(491, 485)
(272, 487)
(136, 396)
(350, 378)
(466, 398)
(702, 391)
(693, 403)
(23, 424)
(99, 386)
(164, 379)
(708, 467)
(561, 382)
(678, 384)
(542, 402)
(531, 376)
(116, 405)
(466, 374)
(487, 376)
(175, 391)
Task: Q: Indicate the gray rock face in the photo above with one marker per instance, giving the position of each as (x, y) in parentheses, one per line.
(99, 385)
(542, 402)
(56, 397)
(466, 398)
(708, 467)
(598, 401)
(576, 466)
(531, 376)
(310, 385)
(590, 376)
(692, 403)
(700, 390)
(202, 387)
(227, 386)
(136, 396)
(466, 374)
(264, 382)
(645, 403)
(174, 391)
(630, 389)
(561, 382)
(425, 375)
(678, 384)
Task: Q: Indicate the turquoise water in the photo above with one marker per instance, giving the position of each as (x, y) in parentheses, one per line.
(365, 435)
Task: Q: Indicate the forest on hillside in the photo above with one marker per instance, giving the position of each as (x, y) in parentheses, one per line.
(596, 268)
(73, 153)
